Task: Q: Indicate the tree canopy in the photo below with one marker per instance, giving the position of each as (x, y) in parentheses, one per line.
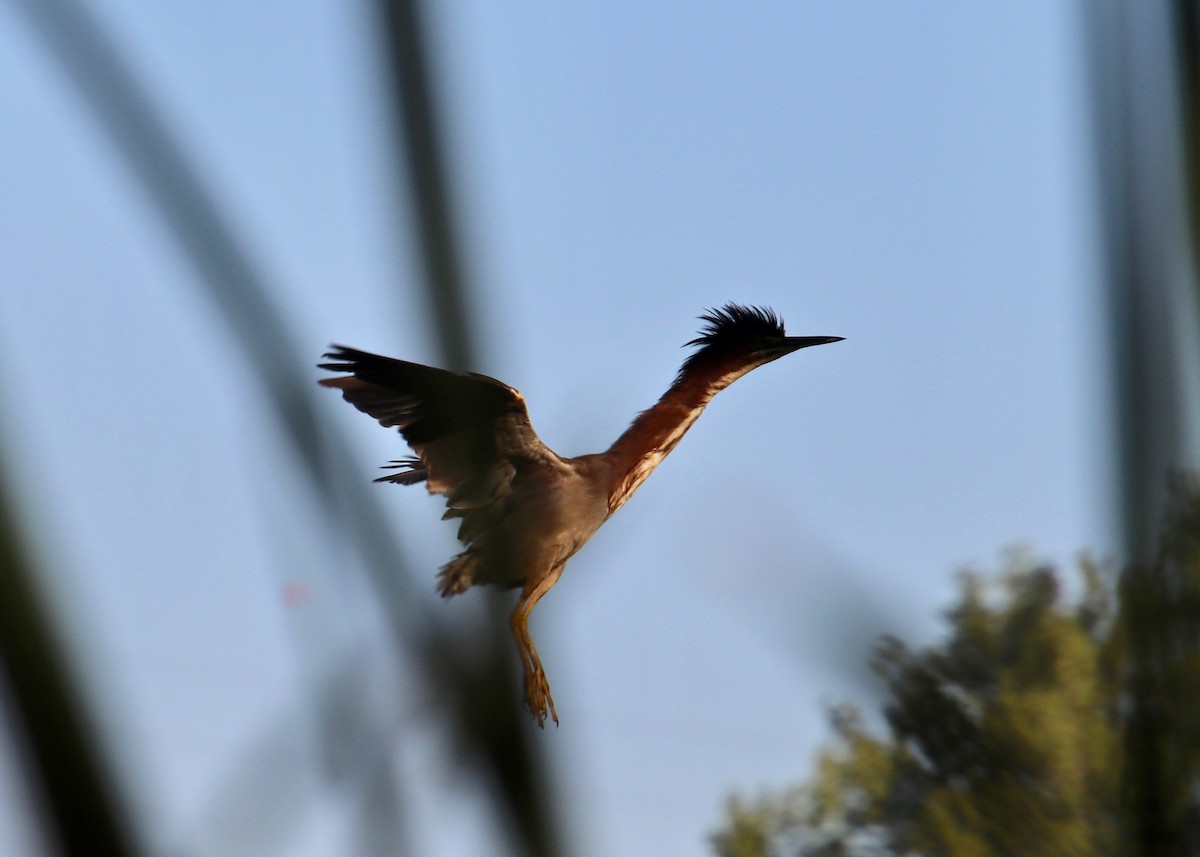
(1042, 725)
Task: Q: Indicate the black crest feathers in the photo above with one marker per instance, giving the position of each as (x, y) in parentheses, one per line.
(729, 327)
(733, 324)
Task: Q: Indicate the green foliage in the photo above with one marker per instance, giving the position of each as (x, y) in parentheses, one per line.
(747, 828)
(1157, 650)
(1038, 727)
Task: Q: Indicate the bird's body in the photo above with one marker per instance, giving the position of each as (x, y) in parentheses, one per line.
(524, 509)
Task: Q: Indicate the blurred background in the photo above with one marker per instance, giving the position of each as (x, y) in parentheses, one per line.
(219, 638)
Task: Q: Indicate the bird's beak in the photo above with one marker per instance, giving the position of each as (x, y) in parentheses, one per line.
(795, 343)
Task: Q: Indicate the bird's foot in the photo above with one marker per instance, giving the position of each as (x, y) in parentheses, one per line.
(537, 692)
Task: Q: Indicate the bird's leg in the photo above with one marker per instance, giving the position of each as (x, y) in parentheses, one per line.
(537, 688)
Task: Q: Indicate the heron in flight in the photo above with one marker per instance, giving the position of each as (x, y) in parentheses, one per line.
(524, 509)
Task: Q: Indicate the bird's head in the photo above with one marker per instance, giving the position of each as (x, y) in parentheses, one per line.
(736, 339)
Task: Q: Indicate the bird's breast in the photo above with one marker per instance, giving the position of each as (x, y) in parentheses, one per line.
(556, 511)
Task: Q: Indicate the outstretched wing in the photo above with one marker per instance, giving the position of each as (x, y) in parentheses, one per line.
(469, 432)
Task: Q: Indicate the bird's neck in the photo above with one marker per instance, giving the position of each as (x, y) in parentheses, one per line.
(655, 432)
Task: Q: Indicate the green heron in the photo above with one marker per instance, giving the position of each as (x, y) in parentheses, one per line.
(525, 509)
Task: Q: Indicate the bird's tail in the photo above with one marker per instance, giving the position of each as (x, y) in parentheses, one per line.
(458, 574)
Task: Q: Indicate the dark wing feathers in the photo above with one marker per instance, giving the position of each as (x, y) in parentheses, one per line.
(426, 403)
(413, 472)
(468, 431)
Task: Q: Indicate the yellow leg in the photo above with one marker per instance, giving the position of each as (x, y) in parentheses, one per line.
(537, 688)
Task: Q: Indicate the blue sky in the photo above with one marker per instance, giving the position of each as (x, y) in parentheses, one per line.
(915, 177)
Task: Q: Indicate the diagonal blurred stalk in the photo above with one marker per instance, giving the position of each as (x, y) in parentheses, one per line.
(239, 292)
(71, 779)
(502, 734)
(240, 295)
(420, 148)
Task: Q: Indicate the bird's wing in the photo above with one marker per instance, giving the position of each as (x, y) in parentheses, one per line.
(469, 432)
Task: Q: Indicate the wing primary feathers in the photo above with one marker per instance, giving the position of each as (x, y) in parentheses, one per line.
(470, 433)
(413, 472)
